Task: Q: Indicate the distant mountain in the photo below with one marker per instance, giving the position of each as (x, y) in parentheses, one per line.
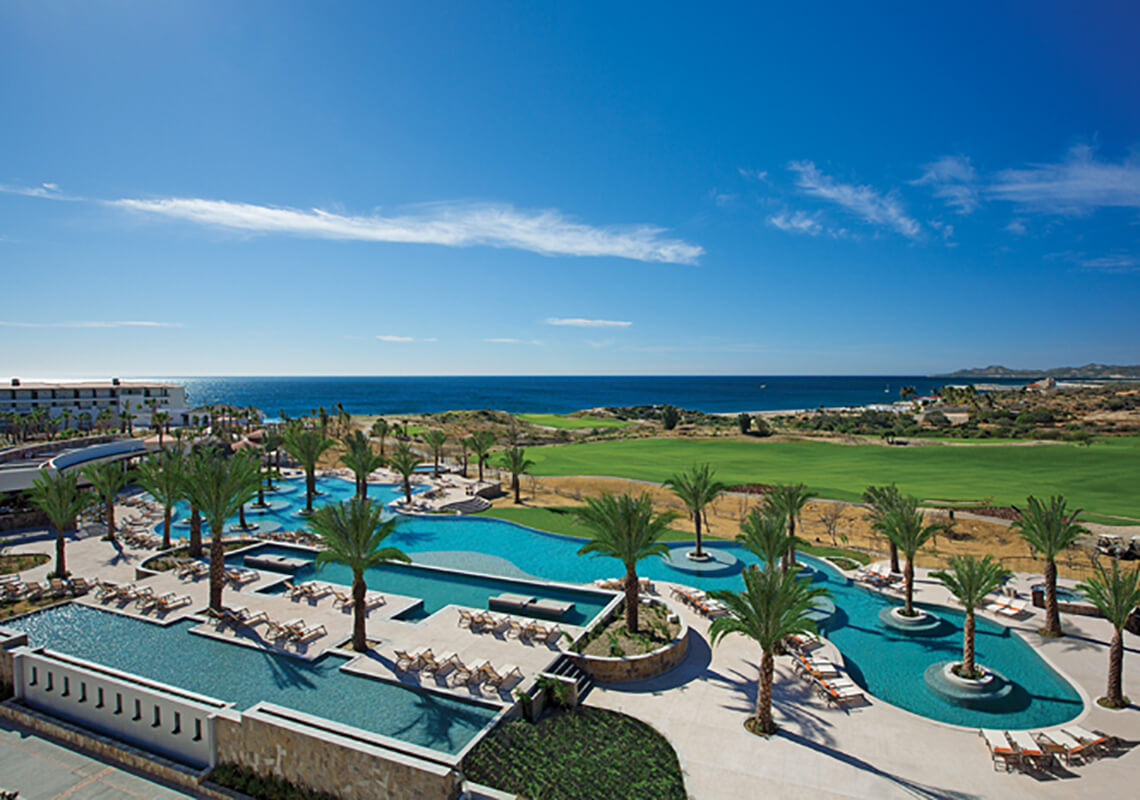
(1087, 372)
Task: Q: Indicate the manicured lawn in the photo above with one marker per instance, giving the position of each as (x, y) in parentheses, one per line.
(582, 755)
(571, 423)
(1100, 479)
(558, 520)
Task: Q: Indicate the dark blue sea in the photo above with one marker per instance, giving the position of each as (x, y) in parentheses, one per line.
(298, 396)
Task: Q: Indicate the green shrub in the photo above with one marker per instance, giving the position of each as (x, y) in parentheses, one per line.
(669, 417)
(246, 781)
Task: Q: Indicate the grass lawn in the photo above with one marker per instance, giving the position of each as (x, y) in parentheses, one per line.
(581, 755)
(559, 520)
(572, 423)
(1101, 478)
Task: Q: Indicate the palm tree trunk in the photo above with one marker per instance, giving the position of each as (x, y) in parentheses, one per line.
(968, 644)
(1115, 694)
(515, 484)
(764, 719)
(217, 569)
(895, 558)
(111, 519)
(310, 487)
(359, 637)
(631, 598)
(908, 578)
(791, 554)
(195, 532)
(407, 490)
(435, 467)
(697, 526)
(166, 528)
(241, 516)
(1052, 616)
(480, 469)
(60, 560)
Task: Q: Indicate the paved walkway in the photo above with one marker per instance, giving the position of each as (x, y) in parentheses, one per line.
(40, 769)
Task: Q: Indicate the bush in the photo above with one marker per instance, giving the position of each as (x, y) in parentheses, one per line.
(669, 417)
(760, 427)
(937, 419)
(246, 781)
(745, 422)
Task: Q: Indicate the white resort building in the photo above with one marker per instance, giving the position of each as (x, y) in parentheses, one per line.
(140, 399)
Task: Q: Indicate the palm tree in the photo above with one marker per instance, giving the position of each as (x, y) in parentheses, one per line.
(481, 444)
(57, 495)
(361, 459)
(882, 499)
(467, 446)
(624, 527)
(435, 439)
(696, 489)
(903, 525)
(220, 486)
(271, 447)
(773, 606)
(788, 501)
(380, 431)
(352, 533)
(1116, 594)
(161, 420)
(970, 579)
(161, 474)
(765, 534)
(404, 461)
(1049, 530)
(307, 446)
(516, 462)
(108, 479)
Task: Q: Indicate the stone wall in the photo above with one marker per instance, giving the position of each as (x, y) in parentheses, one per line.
(327, 762)
(640, 667)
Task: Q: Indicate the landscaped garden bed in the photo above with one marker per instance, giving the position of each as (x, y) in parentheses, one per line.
(583, 754)
(18, 562)
(168, 561)
(613, 639)
(246, 781)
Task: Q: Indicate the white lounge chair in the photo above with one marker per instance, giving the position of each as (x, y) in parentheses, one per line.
(1001, 751)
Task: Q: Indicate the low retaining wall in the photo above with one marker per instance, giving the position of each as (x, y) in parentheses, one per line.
(607, 669)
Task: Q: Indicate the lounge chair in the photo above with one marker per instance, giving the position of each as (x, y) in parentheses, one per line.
(838, 692)
(1001, 752)
(172, 600)
(497, 679)
(412, 662)
(305, 633)
(57, 588)
(292, 589)
(315, 590)
(1095, 742)
(520, 630)
(1028, 750)
(1059, 745)
(495, 624)
(468, 617)
(340, 598)
(461, 672)
(549, 635)
(1015, 608)
(276, 630)
(439, 665)
(34, 590)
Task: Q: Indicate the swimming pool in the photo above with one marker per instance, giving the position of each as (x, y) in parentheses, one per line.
(246, 676)
(888, 664)
(440, 588)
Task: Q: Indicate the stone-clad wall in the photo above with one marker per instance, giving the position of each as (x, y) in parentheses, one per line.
(635, 668)
(331, 765)
(8, 642)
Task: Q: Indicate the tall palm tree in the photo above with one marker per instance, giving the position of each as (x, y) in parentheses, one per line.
(788, 501)
(773, 606)
(57, 495)
(271, 448)
(161, 474)
(970, 579)
(161, 420)
(903, 525)
(466, 446)
(359, 457)
(380, 431)
(435, 440)
(352, 534)
(1116, 594)
(481, 444)
(765, 534)
(1049, 530)
(882, 499)
(220, 486)
(307, 446)
(108, 479)
(696, 489)
(624, 527)
(516, 462)
(404, 461)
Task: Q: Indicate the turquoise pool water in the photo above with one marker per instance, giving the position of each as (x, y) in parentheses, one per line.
(438, 589)
(887, 664)
(245, 676)
(285, 501)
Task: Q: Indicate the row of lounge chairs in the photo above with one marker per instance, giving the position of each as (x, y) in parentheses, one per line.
(618, 584)
(700, 602)
(143, 596)
(315, 590)
(16, 590)
(486, 622)
(484, 672)
(1007, 606)
(294, 630)
(1035, 752)
(825, 676)
(879, 576)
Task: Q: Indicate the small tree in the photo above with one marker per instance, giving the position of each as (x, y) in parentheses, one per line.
(788, 501)
(307, 446)
(903, 525)
(359, 457)
(481, 444)
(697, 488)
(765, 534)
(108, 479)
(970, 579)
(161, 474)
(404, 461)
(380, 431)
(669, 417)
(830, 517)
(744, 421)
(516, 462)
(435, 439)
(761, 427)
(882, 499)
(57, 495)
(1116, 594)
(1049, 530)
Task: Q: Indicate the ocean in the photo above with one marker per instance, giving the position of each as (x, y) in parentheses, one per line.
(297, 396)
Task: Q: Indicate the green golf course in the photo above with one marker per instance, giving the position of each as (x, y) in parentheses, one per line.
(1102, 479)
(571, 423)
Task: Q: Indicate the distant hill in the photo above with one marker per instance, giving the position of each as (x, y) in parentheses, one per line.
(1087, 372)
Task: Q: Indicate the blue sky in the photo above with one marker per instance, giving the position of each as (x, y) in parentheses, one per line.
(408, 188)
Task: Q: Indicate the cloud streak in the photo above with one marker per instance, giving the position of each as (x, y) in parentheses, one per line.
(953, 180)
(93, 324)
(510, 340)
(546, 232)
(797, 222)
(578, 322)
(403, 339)
(864, 202)
(1075, 186)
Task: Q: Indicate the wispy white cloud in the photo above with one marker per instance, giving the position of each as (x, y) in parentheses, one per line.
(47, 191)
(755, 174)
(1017, 227)
(797, 222)
(510, 340)
(954, 180)
(403, 339)
(1114, 263)
(946, 230)
(578, 322)
(547, 232)
(1078, 185)
(599, 344)
(864, 202)
(94, 324)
